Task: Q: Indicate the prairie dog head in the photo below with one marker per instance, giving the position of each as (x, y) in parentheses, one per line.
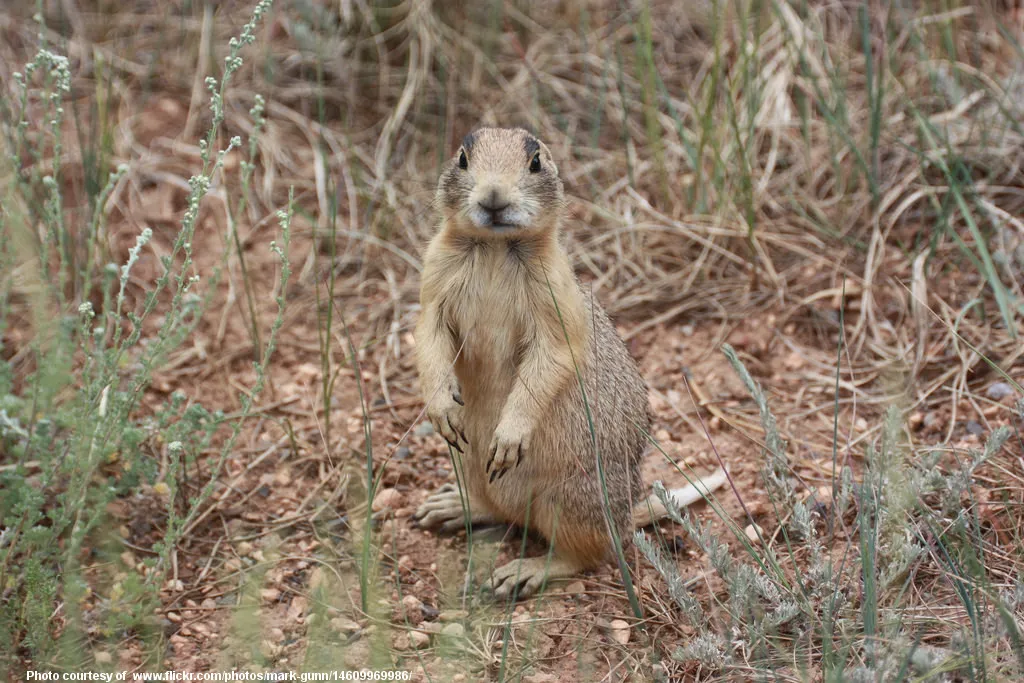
(501, 182)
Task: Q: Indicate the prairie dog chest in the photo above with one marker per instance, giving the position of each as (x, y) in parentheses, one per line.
(491, 310)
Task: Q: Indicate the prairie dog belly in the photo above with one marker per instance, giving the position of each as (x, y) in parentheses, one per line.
(486, 380)
(489, 316)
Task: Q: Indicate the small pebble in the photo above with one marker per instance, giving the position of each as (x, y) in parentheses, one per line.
(619, 631)
(753, 531)
(424, 429)
(975, 428)
(344, 625)
(453, 615)
(419, 639)
(999, 391)
(387, 499)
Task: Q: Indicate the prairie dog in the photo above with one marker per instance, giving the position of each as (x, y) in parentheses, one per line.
(504, 329)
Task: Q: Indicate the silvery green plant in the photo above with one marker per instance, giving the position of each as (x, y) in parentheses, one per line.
(92, 363)
(707, 648)
(776, 471)
(848, 611)
(677, 589)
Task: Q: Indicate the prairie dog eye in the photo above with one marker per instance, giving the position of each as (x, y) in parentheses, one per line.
(463, 161)
(535, 163)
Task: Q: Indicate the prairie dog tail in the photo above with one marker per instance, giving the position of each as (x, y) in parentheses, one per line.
(651, 509)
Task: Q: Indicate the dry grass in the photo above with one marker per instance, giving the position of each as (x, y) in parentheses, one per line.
(811, 183)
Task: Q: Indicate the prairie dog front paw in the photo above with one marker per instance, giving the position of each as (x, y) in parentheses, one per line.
(445, 412)
(509, 444)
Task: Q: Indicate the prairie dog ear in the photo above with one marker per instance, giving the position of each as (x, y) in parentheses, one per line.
(551, 158)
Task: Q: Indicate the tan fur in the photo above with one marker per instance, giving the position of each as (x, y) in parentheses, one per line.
(504, 329)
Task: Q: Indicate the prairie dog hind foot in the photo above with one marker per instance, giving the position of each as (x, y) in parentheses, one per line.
(446, 510)
(528, 575)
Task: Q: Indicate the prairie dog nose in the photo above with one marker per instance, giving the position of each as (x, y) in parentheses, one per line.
(493, 201)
